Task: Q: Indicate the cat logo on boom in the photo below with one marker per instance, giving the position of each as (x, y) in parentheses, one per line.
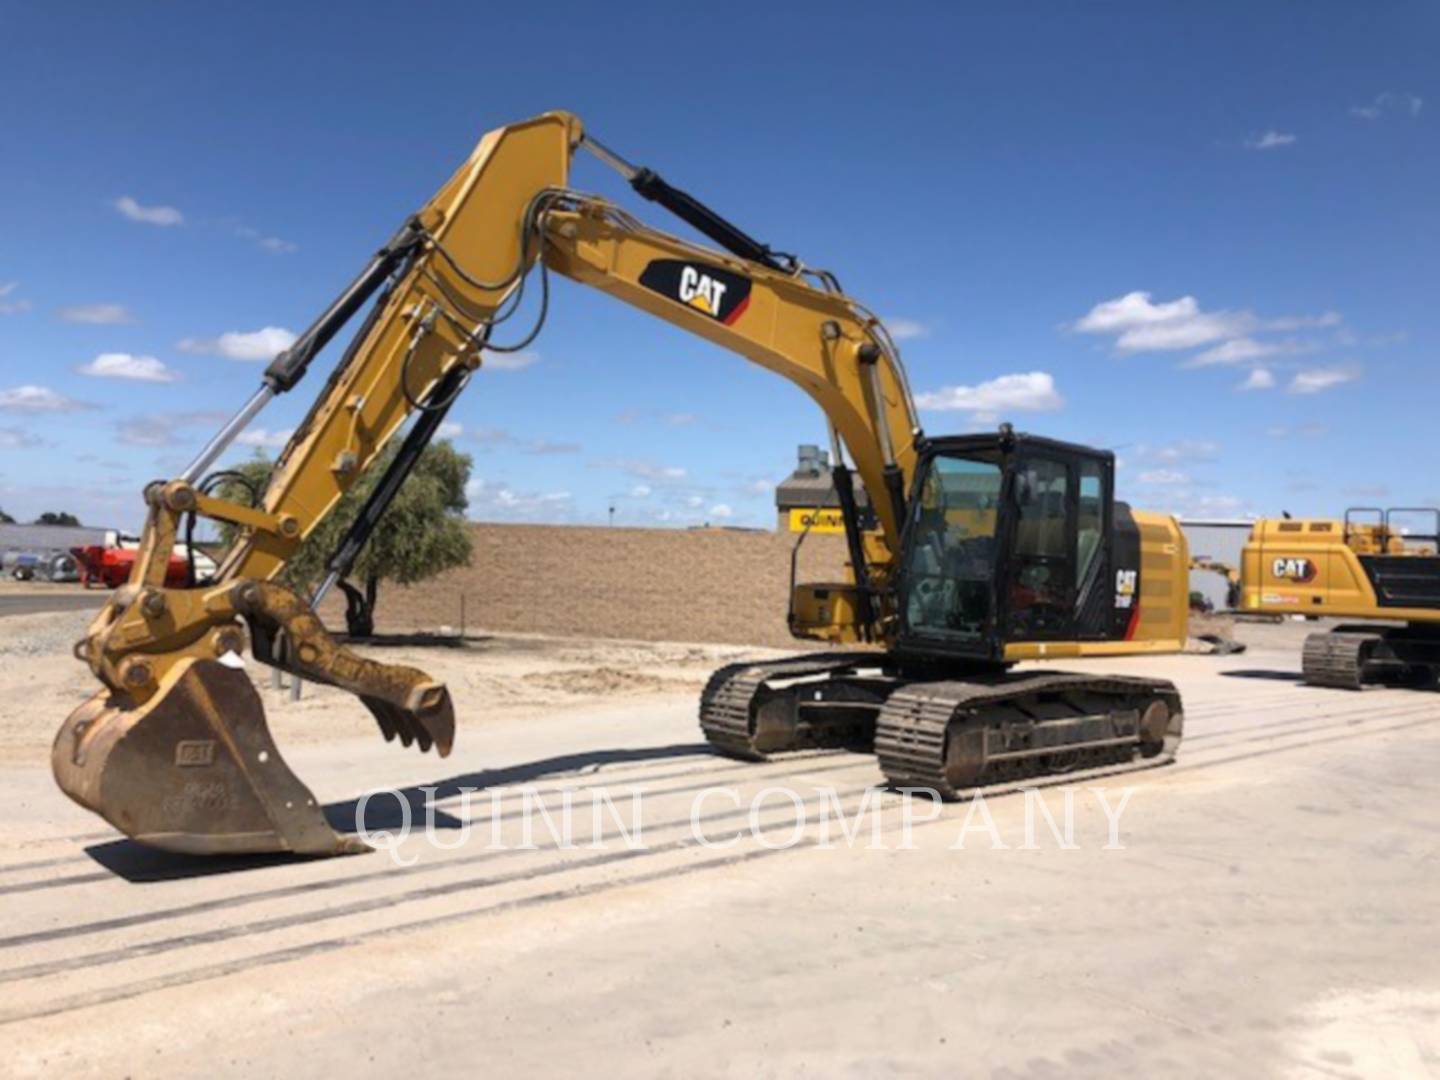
(711, 290)
(1294, 569)
(701, 290)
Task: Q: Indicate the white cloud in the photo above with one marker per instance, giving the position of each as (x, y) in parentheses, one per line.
(1258, 379)
(498, 437)
(97, 314)
(498, 500)
(148, 215)
(1410, 103)
(503, 361)
(1308, 430)
(1191, 505)
(694, 501)
(269, 440)
(15, 439)
(1032, 391)
(721, 511)
(641, 491)
(161, 429)
(545, 446)
(1318, 380)
(257, 345)
(12, 307)
(1271, 140)
(642, 470)
(1163, 477)
(493, 436)
(1235, 351)
(1367, 491)
(272, 244)
(1132, 310)
(1141, 325)
(37, 399)
(1300, 322)
(126, 366)
(1389, 101)
(902, 329)
(145, 431)
(674, 419)
(1185, 450)
(449, 429)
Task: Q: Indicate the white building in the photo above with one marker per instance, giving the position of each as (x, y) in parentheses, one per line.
(1219, 540)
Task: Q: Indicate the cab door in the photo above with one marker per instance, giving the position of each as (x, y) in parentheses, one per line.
(1041, 585)
(1095, 510)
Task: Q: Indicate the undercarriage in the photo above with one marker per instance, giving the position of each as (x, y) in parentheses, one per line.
(944, 734)
(1349, 657)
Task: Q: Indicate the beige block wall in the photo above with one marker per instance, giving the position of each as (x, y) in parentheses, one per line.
(708, 585)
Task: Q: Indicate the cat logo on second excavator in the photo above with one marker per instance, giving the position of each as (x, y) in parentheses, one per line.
(1294, 569)
(711, 290)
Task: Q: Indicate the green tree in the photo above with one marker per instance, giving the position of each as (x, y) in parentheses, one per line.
(6, 519)
(423, 533)
(51, 517)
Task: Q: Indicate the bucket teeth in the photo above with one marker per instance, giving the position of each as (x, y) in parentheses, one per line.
(194, 769)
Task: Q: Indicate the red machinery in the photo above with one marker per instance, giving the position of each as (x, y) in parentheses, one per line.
(110, 566)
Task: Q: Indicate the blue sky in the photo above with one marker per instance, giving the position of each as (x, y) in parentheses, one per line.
(1097, 221)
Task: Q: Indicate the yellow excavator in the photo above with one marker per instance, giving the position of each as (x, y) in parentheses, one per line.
(1379, 564)
(983, 549)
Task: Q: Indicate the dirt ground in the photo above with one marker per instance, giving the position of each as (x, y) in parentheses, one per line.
(516, 676)
(1264, 906)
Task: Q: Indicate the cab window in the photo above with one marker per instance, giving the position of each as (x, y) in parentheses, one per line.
(1042, 565)
(949, 582)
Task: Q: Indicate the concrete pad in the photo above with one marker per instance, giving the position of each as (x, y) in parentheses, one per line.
(1262, 907)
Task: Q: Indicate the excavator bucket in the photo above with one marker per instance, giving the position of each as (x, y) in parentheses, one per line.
(194, 767)
(192, 770)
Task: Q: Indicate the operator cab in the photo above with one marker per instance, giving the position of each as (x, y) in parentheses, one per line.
(1007, 540)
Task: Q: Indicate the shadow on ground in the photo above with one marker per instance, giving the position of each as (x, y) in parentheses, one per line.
(1273, 676)
(140, 864)
(421, 639)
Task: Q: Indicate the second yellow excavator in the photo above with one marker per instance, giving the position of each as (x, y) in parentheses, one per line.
(984, 549)
(1379, 565)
